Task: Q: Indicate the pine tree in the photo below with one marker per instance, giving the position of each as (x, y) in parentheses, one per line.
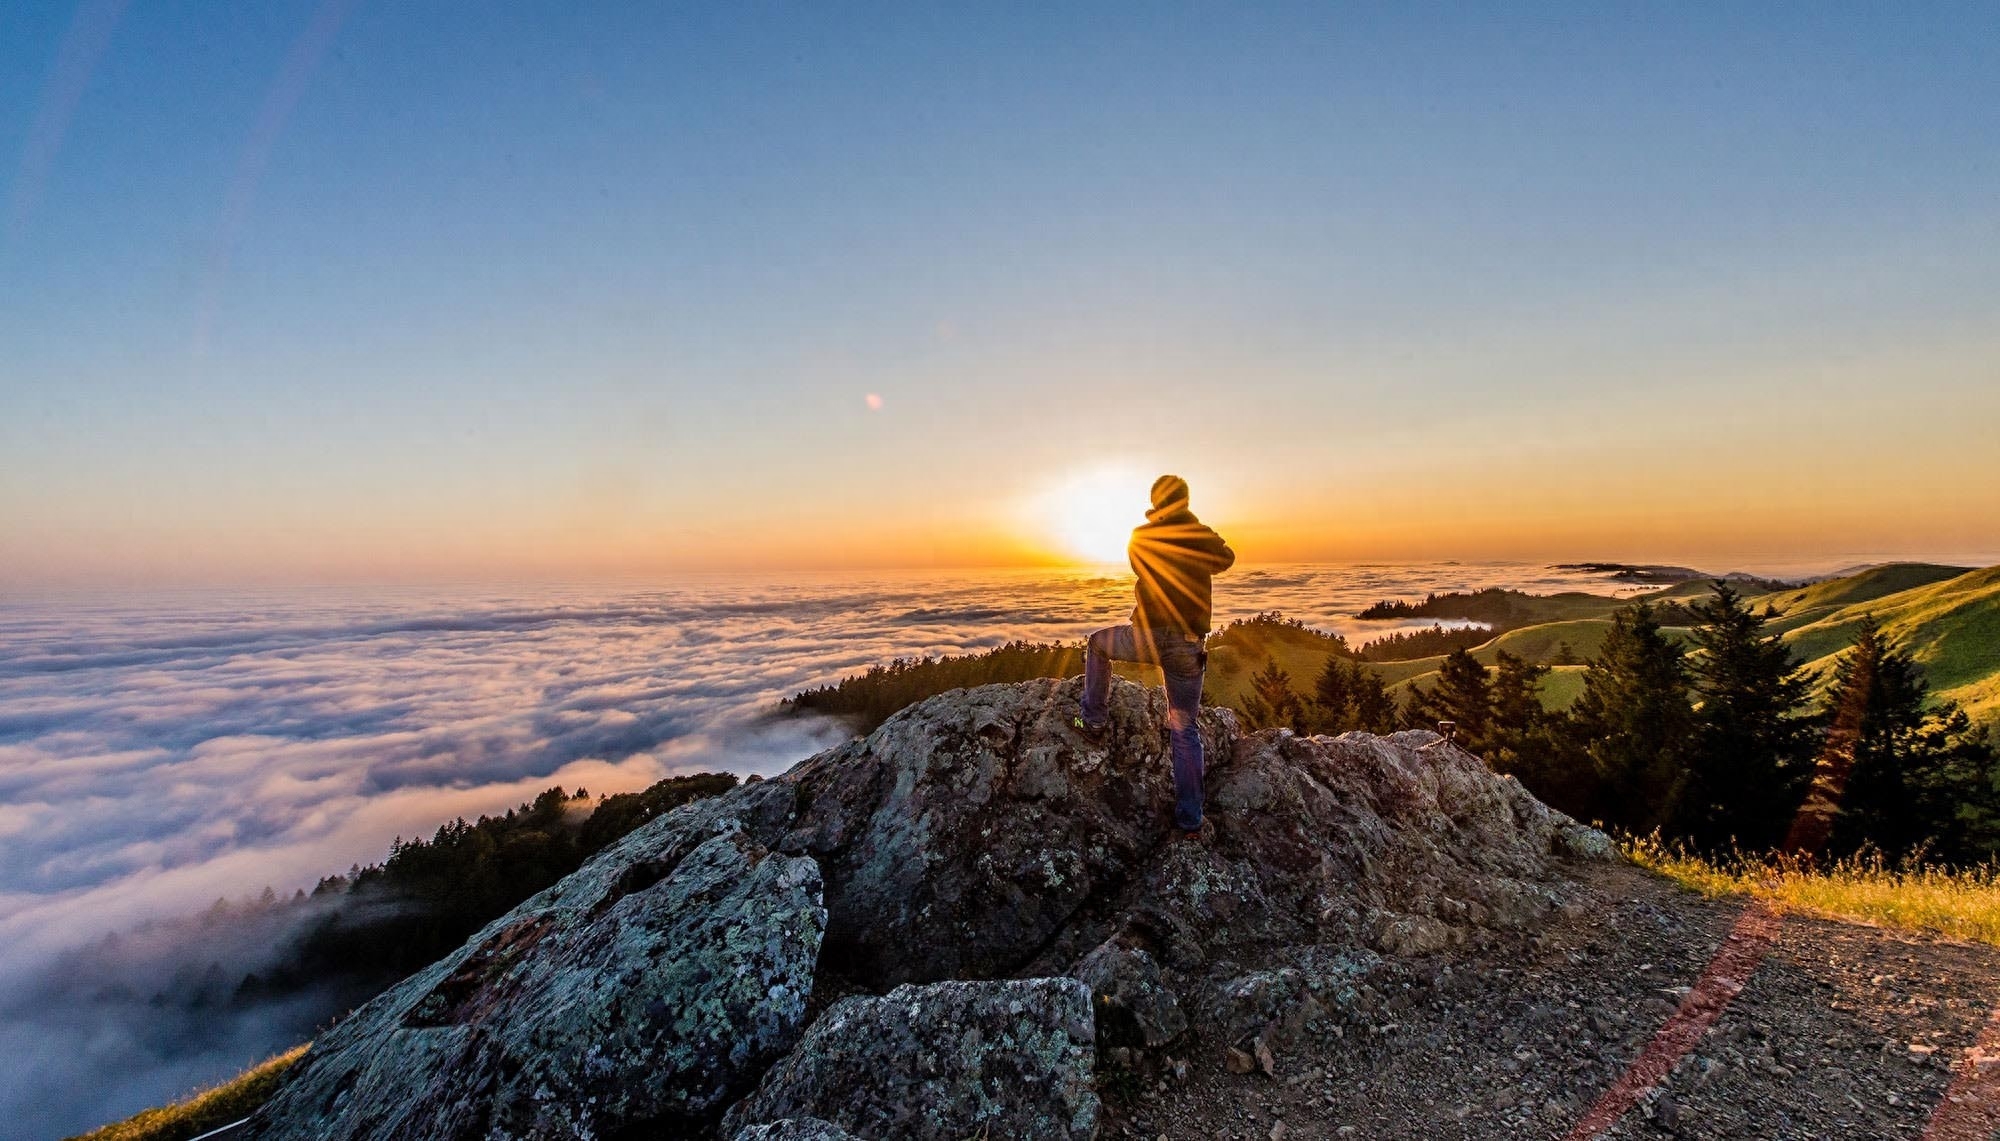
(1634, 722)
(1272, 702)
(1374, 710)
(1751, 757)
(1515, 738)
(1923, 776)
(1461, 696)
(1333, 696)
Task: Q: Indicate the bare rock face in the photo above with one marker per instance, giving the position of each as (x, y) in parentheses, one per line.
(970, 828)
(973, 836)
(951, 1059)
(796, 1129)
(1267, 1009)
(641, 989)
(1133, 1005)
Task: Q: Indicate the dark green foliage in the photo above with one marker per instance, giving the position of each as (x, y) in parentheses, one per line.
(429, 896)
(1751, 755)
(1333, 696)
(1272, 701)
(1498, 714)
(1495, 607)
(1407, 645)
(1348, 696)
(1633, 723)
(1485, 605)
(1460, 696)
(1374, 710)
(866, 700)
(1922, 776)
(1525, 739)
(1242, 630)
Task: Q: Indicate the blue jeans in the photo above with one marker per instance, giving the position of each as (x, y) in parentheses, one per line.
(1182, 662)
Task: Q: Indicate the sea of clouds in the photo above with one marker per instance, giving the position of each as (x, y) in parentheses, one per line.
(161, 750)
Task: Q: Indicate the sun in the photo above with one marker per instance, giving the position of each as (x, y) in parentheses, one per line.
(1090, 514)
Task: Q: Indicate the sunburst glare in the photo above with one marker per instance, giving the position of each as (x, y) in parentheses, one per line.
(1090, 514)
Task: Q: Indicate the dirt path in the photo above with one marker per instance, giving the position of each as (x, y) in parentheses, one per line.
(1839, 1031)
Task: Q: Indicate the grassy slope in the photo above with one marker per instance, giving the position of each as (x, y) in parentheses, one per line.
(1958, 903)
(210, 1109)
(1948, 615)
(1299, 653)
(1805, 606)
(1951, 627)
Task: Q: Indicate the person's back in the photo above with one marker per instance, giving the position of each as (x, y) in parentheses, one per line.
(1174, 557)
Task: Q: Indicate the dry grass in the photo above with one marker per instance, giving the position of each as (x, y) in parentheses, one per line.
(212, 1108)
(1962, 903)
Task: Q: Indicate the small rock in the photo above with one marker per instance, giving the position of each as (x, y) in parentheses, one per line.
(1239, 1061)
(1265, 1061)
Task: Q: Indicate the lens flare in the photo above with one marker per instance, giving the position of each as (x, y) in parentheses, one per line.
(1090, 514)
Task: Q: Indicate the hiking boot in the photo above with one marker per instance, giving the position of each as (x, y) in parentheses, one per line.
(1202, 835)
(1089, 732)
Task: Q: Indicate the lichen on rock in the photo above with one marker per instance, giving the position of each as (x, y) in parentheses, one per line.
(795, 1129)
(1132, 1002)
(952, 1059)
(973, 836)
(660, 1001)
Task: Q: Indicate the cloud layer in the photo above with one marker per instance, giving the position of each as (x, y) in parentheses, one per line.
(158, 752)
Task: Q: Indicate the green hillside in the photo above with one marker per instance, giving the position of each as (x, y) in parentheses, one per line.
(1807, 605)
(1948, 616)
(1239, 651)
(1951, 627)
(1562, 686)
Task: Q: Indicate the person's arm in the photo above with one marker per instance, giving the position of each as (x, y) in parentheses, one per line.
(1216, 552)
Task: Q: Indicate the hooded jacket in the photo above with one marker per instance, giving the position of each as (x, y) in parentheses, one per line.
(1175, 557)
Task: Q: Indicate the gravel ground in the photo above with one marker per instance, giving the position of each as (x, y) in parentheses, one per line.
(1842, 1031)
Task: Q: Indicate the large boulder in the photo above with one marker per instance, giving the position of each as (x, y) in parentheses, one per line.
(951, 1059)
(970, 828)
(653, 986)
(976, 834)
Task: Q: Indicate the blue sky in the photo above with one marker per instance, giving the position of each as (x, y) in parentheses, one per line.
(377, 289)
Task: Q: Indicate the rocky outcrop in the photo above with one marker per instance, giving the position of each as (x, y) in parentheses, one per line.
(974, 836)
(795, 1129)
(951, 1059)
(638, 991)
(969, 830)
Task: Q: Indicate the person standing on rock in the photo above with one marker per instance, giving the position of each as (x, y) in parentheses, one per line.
(1175, 557)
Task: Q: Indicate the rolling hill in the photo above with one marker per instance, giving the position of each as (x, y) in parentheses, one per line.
(1948, 616)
